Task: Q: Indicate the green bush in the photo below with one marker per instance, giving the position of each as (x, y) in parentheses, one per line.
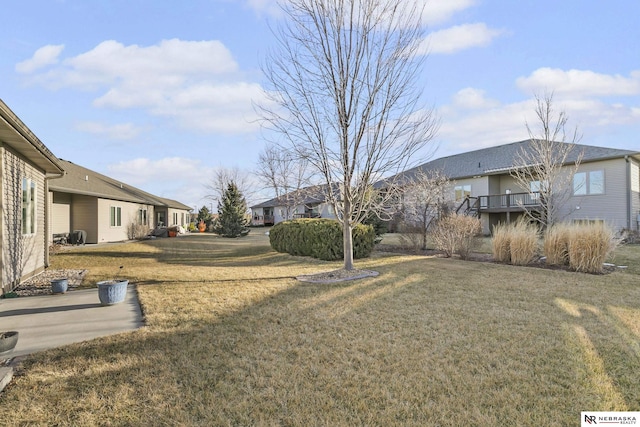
(320, 238)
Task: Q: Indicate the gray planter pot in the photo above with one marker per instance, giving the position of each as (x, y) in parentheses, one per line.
(59, 286)
(112, 291)
(8, 340)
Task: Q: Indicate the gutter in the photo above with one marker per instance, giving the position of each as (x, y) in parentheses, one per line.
(629, 215)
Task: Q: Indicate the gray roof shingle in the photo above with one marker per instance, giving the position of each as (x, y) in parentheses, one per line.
(80, 180)
(494, 160)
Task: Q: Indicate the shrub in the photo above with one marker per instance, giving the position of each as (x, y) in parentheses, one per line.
(500, 243)
(523, 243)
(589, 246)
(556, 244)
(515, 243)
(320, 238)
(137, 231)
(410, 237)
(456, 234)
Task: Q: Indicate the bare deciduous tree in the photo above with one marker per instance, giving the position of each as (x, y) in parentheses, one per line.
(286, 174)
(424, 200)
(343, 95)
(549, 162)
(225, 176)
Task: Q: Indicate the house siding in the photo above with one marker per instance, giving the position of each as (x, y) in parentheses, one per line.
(634, 170)
(84, 216)
(60, 208)
(22, 255)
(129, 214)
(610, 207)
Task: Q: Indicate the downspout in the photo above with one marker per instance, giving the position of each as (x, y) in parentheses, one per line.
(626, 158)
(47, 214)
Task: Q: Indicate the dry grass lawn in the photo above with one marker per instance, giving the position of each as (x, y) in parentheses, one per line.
(233, 339)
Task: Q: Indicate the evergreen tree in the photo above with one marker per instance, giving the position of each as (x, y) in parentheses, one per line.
(204, 215)
(232, 219)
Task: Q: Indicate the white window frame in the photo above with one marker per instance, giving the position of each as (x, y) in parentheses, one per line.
(29, 206)
(143, 216)
(115, 216)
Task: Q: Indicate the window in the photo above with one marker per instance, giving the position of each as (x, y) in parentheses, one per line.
(588, 183)
(142, 216)
(462, 191)
(29, 211)
(116, 216)
(175, 218)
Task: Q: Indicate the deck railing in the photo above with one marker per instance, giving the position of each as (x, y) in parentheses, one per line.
(499, 202)
(512, 200)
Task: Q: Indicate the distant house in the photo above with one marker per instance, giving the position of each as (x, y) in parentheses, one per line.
(607, 188)
(27, 167)
(104, 208)
(606, 185)
(308, 202)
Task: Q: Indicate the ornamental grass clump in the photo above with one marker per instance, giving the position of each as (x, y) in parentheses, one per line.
(589, 246)
(515, 243)
(556, 244)
(500, 243)
(523, 242)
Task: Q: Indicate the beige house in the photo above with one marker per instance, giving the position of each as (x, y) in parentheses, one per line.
(104, 208)
(27, 166)
(605, 188)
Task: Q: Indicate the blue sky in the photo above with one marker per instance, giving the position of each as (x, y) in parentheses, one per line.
(159, 94)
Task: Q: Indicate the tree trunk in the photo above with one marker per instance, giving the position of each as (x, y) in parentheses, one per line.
(347, 236)
(347, 245)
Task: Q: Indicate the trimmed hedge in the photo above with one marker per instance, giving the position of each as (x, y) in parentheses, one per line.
(320, 238)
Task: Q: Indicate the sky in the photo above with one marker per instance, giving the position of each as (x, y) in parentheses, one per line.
(161, 94)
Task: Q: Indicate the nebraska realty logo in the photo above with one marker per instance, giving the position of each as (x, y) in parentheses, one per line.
(610, 418)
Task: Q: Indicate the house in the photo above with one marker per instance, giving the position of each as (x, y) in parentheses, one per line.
(106, 209)
(27, 168)
(307, 202)
(606, 185)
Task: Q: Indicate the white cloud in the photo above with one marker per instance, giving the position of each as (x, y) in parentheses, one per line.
(458, 38)
(141, 171)
(197, 83)
(472, 120)
(124, 131)
(470, 98)
(262, 7)
(46, 55)
(438, 11)
(580, 83)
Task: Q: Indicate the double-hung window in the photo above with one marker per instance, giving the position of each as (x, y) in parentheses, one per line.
(115, 216)
(29, 209)
(142, 216)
